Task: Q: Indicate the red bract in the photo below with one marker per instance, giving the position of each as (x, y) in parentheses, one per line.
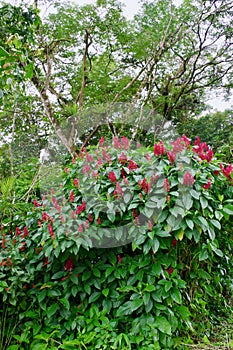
(71, 196)
(122, 159)
(203, 150)
(188, 179)
(101, 141)
(112, 176)
(159, 149)
(144, 185)
(76, 182)
(116, 143)
(170, 270)
(125, 142)
(171, 157)
(80, 228)
(207, 185)
(119, 259)
(69, 265)
(89, 158)
(3, 241)
(46, 261)
(36, 204)
(25, 232)
(216, 172)
(118, 191)
(86, 169)
(17, 231)
(98, 221)
(227, 170)
(174, 242)
(81, 208)
(150, 225)
(166, 185)
(132, 165)
(206, 155)
(50, 228)
(90, 218)
(55, 203)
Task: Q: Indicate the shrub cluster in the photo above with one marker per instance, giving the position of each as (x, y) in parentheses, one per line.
(132, 251)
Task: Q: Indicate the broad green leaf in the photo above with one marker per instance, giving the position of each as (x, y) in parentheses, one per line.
(163, 325)
(176, 295)
(52, 309)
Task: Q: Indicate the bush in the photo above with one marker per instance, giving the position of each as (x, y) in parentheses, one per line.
(133, 251)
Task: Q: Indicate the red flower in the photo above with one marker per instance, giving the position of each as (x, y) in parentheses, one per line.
(81, 208)
(188, 179)
(216, 172)
(89, 158)
(3, 241)
(25, 232)
(170, 270)
(112, 176)
(116, 143)
(101, 141)
(144, 185)
(69, 265)
(171, 157)
(71, 196)
(76, 182)
(36, 204)
(90, 218)
(132, 165)
(119, 259)
(46, 261)
(86, 169)
(174, 242)
(55, 203)
(17, 231)
(98, 221)
(159, 149)
(125, 142)
(122, 159)
(118, 191)
(135, 214)
(166, 185)
(51, 231)
(207, 185)
(66, 170)
(150, 225)
(80, 228)
(227, 170)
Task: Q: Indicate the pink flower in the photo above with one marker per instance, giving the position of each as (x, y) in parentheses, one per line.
(94, 174)
(148, 157)
(86, 225)
(122, 159)
(25, 232)
(126, 182)
(132, 165)
(118, 191)
(227, 170)
(55, 203)
(51, 231)
(86, 169)
(188, 179)
(80, 228)
(207, 185)
(134, 212)
(76, 182)
(89, 158)
(178, 146)
(66, 170)
(112, 176)
(185, 140)
(101, 142)
(72, 215)
(90, 218)
(125, 142)
(166, 185)
(81, 208)
(69, 265)
(159, 149)
(71, 196)
(116, 143)
(208, 155)
(171, 157)
(36, 204)
(150, 225)
(144, 185)
(17, 231)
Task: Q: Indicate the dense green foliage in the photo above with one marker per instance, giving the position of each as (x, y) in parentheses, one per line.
(72, 281)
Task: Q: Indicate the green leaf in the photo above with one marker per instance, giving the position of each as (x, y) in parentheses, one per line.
(189, 223)
(58, 275)
(52, 310)
(216, 224)
(42, 295)
(65, 302)
(194, 194)
(105, 292)
(163, 325)
(204, 202)
(96, 272)
(203, 255)
(93, 297)
(176, 295)
(228, 209)
(187, 200)
(129, 307)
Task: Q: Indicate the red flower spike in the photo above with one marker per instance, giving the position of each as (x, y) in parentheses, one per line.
(98, 221)
(90, 218)
(80, 228)
(112, 176)
(188, 179)
(174, 242)
(216, 172)
(170, 270)
(101, 141)
(17, 231)
(166, 185)
(159, 149)
(69, 265)
(119, 259)
(171, 157)
(52, 235)
(125, 142)
(207, 185)
(150, 225)
(132, 165)
(71, 196)
(226, 170)
(118, 191)
(116, 143)
(122, 159)
(86, 169)
(76, 182)
(25, 232)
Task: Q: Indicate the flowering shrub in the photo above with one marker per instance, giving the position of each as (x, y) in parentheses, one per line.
(164, 215)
